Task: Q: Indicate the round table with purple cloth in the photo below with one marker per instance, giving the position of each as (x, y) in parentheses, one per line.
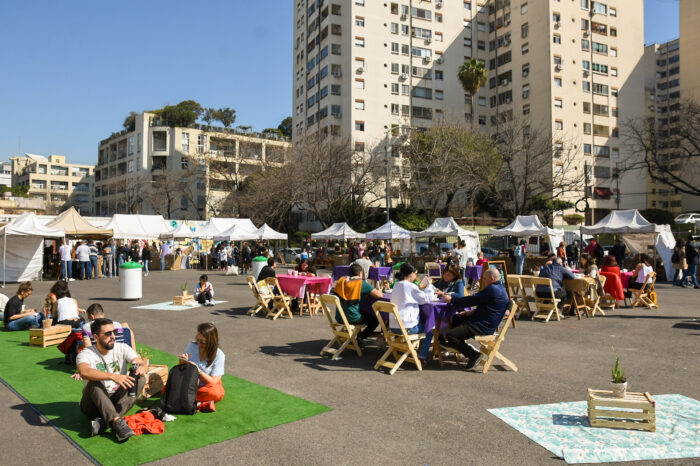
(340, 271)
(430, 313)
(433, 272)
(472, 272)
(379, 273)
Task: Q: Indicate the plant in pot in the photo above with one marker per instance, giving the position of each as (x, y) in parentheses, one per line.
(184, 289)
(145, 356)
(619, 381)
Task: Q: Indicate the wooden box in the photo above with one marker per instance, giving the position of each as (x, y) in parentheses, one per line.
(156, 378)
(53, 335)
(182, 299)
(635, 411)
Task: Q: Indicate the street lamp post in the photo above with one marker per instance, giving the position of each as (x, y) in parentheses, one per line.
(387, 188)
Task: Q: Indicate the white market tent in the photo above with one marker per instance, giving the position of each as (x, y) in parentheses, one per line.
(266, 232)
(223, 224)
(208, 231)
(338, 231)
(530, 225)
(22, 242)
(137, 226)
(182, 231)
(389, 230)
(446, 226)
(637, 233)
(236, 233)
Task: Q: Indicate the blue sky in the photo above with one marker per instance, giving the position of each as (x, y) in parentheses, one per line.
(72, 70)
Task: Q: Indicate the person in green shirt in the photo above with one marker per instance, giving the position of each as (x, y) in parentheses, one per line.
(351, 290)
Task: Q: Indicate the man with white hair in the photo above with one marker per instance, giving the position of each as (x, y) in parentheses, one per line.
(557, 273)
(491, 304)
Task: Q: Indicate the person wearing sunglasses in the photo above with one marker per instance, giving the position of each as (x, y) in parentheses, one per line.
(206, 355)
(103, 368)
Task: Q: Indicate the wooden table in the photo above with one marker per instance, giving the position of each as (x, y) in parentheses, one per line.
(635, 411)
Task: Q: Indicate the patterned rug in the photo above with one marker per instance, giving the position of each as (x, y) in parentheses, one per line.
(563, 429)
(169, 306)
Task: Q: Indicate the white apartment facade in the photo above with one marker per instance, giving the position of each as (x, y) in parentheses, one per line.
(362, 67)
(131, 162)
(5, 173)
(59, 183)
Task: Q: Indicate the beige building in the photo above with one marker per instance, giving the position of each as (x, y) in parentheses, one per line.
(59, 183)
(663, 100)
(5, 173)
(362, 67)
(176, 171)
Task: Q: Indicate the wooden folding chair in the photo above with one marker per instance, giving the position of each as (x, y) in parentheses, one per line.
(433, 266)
(594, 298)
(578, 289)
(641, 296)
(402, 346)
(344, 333)
(262, 300)
(518, 295)
(545, 306)
(491, 344)
(527, 295)
(280, 301)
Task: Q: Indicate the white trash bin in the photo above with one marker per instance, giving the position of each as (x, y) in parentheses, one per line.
(258, 263)
(130, 279)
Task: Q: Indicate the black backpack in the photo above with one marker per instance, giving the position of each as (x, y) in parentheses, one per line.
(181, 390)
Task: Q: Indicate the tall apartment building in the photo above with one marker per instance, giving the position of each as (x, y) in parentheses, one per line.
(362, 67)
(132, 165)
(5, 173)
(663, 100)
(59, 183)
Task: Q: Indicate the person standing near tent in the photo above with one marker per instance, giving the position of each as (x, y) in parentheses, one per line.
(83, 255)
(15, 316)
(66, 261)
(108, 255)
(519, 253)
(618, 250)
(693, 258)
(680, 264)
(145, 258)
(94, 273)
(572, 253)
(561, 252)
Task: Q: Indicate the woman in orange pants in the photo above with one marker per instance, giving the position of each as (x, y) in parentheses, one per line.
(205, 353)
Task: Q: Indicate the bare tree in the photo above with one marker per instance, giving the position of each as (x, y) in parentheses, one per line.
(669, 149)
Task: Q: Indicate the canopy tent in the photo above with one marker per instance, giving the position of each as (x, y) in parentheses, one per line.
(76, 226)
(266, 232)
(624, 221)
(223, 224)
(137, 226)
(208, 231)
(236, 233)
(530, 225)
(389, 230)
(22, 243)
(338, 231)
(446, 226)
(182, 231)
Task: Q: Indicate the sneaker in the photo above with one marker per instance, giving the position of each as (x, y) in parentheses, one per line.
(472, 360)
(97, 426)
(122, 430)
(71, 279)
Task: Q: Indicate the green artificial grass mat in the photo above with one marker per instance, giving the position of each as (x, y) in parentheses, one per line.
(39, 376)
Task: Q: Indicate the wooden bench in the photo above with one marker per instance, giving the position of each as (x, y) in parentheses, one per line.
(635, 411)
(182, 299)
(53, 335)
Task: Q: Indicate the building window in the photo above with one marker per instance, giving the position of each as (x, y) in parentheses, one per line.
(359, 126)
(359, 21)
(526, 91)
(359, 105)
(613, 11)
(586, 86)
(359, 84)
(359, 41)
(395, 88)
(524, 30)
(525, 48)
(585, 44)
(359, 147)
(613, 32)
(558, 103)
(556, 38)
(523, 8)
(482, 120)
(185, 142)
(438, 75)
(557, 81)
(613, 52)
(201, 143)
(526, 109)
(131, 145)
(526, 70)
(439, 94)
(558, 125)
(404, 89)
(613, 71)
(394, 109)
(160, 141)
(586, 128)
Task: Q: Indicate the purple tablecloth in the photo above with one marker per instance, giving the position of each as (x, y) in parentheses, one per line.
(429, 313)
(473, 272)
(378, 273)
(434, 273)
(340, 271)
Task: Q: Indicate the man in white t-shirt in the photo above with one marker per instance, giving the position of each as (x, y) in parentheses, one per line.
(103, 367)
(66, 261)
(365, 263)
(82, 253)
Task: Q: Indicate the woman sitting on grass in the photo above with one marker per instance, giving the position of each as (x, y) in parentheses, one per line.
(67, 309)
(206, 355)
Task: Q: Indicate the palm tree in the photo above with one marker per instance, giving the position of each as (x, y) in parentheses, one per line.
(472, 74)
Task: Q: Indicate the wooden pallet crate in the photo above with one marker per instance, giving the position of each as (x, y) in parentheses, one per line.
(156, 378)
(53, 335)
(182, 299)
(635, 411)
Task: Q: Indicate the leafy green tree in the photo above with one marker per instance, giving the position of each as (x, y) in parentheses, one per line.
(209, 115)
(130, 121)
(286, 127)
(412, 221)
(547, 206)
(226, 115)
(272, 132)
(472, 74)
(658, 216)
(16, 191)
(184, 114)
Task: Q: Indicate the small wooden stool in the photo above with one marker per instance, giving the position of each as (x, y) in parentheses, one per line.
(635, 411)
(53, 335)
(156, 378)
(181, 300)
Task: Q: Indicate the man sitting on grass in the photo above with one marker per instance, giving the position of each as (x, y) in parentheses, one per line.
(95, 311)
(491, 304)
(17, 318)
(103, 368)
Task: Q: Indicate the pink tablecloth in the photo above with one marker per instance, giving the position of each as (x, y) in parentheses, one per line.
(296, 286)
(625, 277)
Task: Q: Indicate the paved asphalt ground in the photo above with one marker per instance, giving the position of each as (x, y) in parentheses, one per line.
(434, 417)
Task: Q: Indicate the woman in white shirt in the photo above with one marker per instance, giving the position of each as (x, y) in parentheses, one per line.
(66, 306)
(204, 291)
(408, 297)
(206, 355)
(643, 269)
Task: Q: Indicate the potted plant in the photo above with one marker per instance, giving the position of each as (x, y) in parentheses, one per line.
(618, 382)
(145, 355)
(184, 289)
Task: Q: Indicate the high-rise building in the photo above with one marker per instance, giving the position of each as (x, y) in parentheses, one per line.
(179, 172)
(59, 183)
(663, 101)
(362, 67)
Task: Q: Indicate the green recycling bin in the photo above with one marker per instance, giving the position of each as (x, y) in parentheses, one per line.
(258, 263)
(130, 280)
